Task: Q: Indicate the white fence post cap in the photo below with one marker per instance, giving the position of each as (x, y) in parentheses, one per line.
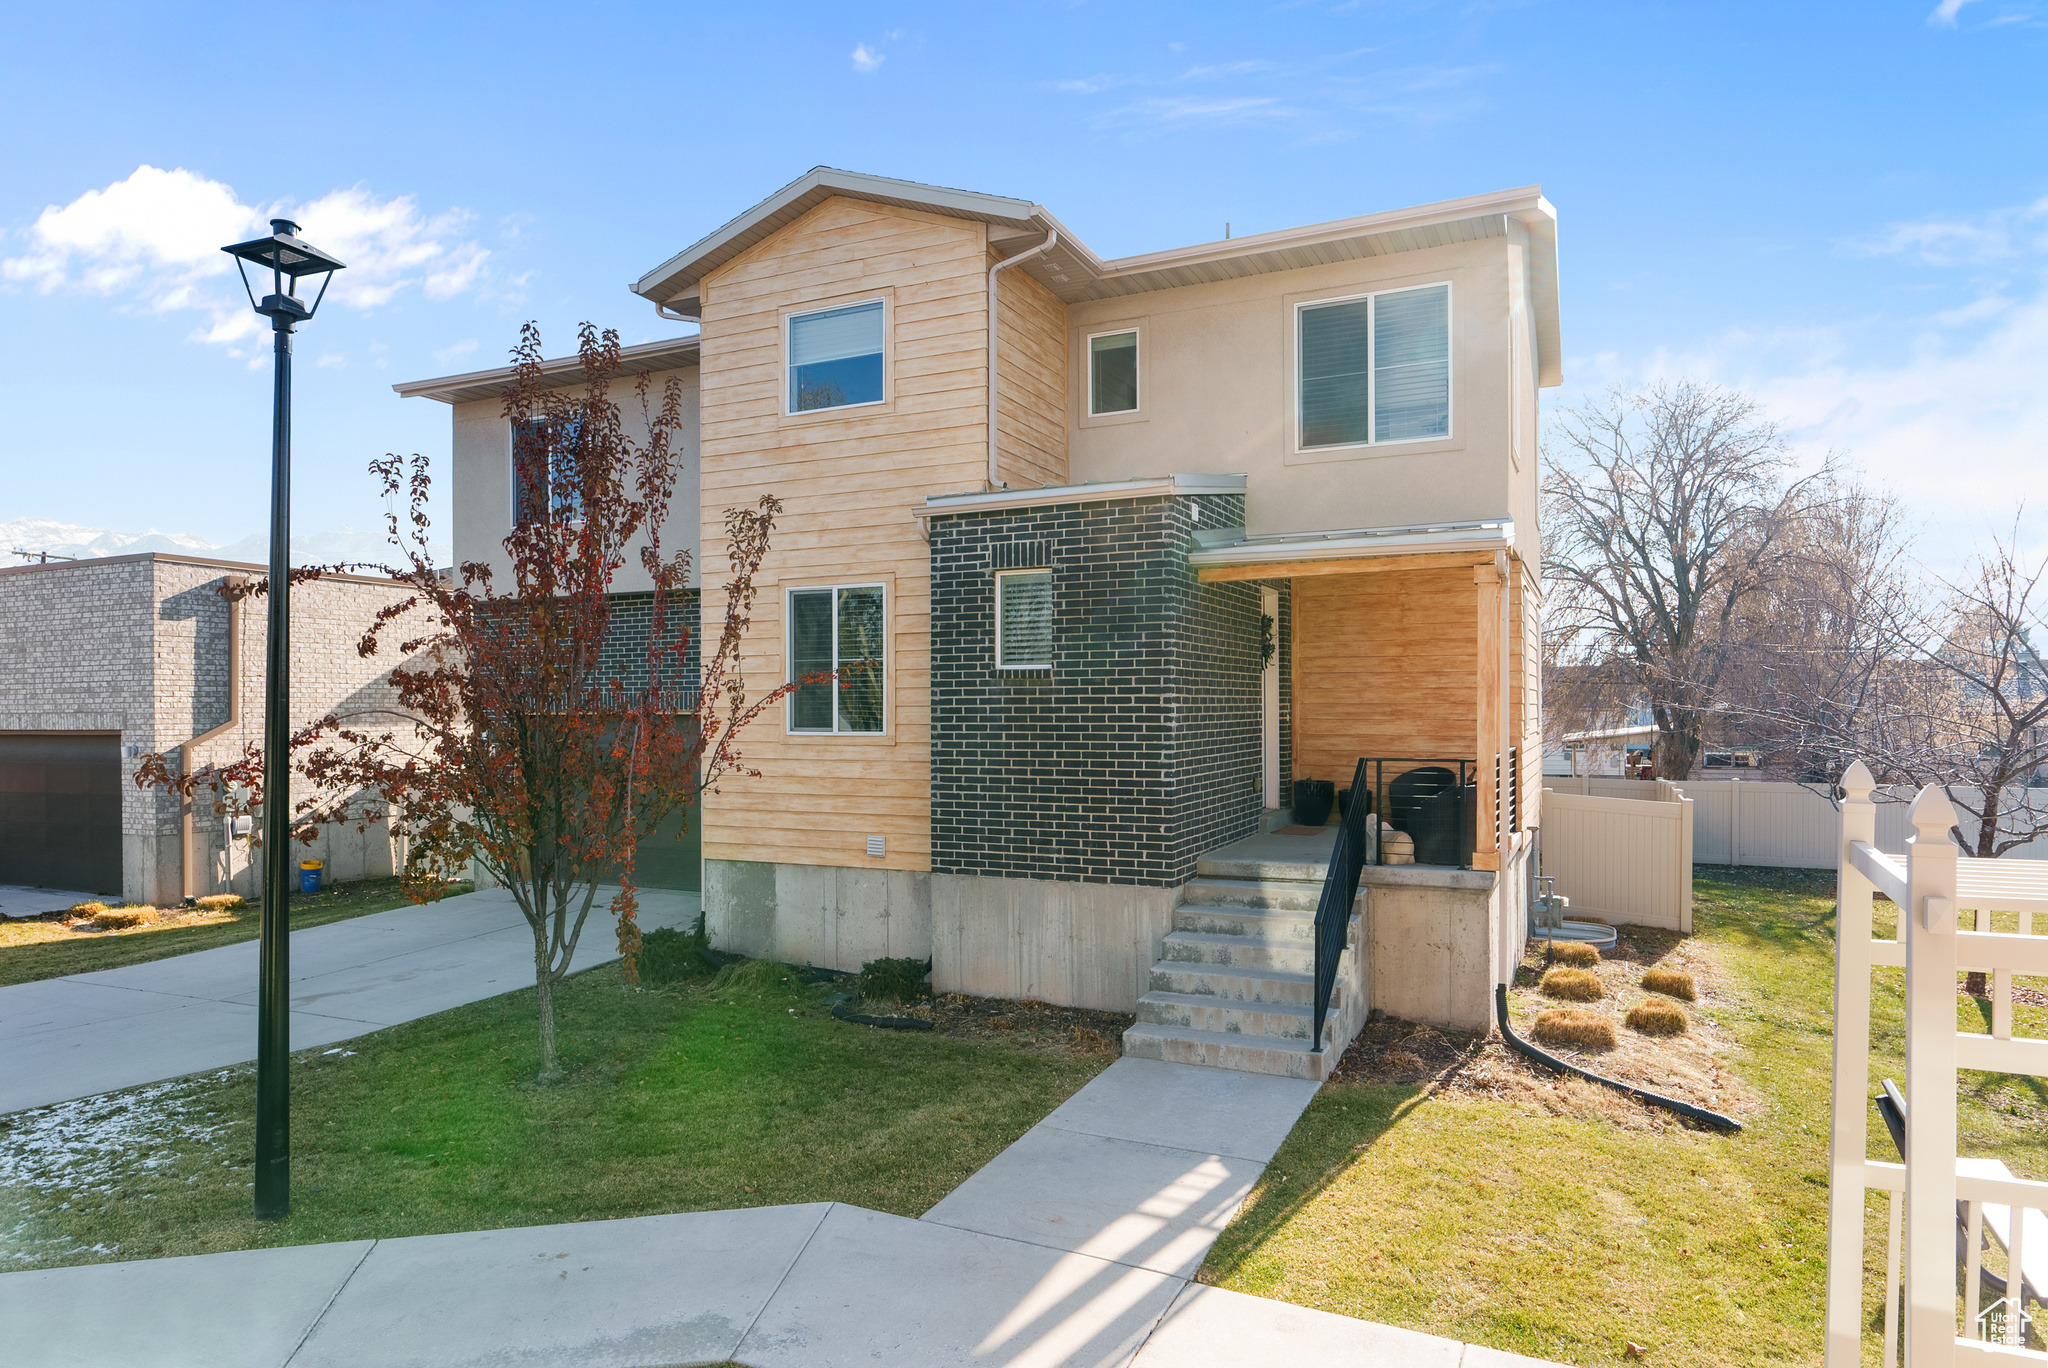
(1932, 812)
(1857, 781)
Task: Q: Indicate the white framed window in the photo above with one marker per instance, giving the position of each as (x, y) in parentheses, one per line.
(835, 357)
(1113, 372)
(544, 487)
(839, 627)
(1374, 368)
(1024, 619)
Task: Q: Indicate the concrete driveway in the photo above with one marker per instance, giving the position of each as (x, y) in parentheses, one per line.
(19, 900)
(74, 1037)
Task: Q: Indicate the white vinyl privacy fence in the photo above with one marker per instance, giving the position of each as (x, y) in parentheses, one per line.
(1764, 822)
(1623, 859)
(1949, 1218)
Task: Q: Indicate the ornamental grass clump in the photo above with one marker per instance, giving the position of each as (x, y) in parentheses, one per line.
(894, 980)
(1573, 985)
(124, 918)
(88, 909)
(219, 902)
(1574, 1026)
(1657, 1017)
(668, 955)
(1671, 983)
(1577, 954)
(756, 976)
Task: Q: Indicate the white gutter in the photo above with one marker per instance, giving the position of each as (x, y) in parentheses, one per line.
(1051, 238)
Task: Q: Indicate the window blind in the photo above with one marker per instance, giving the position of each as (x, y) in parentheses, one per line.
(1411, 370)
(1024, 620)
(835, 334)
(861, 655)
(1335, 364)
(810, 652)
(1113, 373)
(835, 357)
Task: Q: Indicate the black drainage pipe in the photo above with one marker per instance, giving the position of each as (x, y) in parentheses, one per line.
(1551, 1061)
(890, 1023)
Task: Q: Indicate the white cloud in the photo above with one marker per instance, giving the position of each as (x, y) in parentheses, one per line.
(1946, 12)
(1947, 408)
(155, 238)
(332, 359)
(157, 234)
(866, 59)
(1998, 236)
(462, 348)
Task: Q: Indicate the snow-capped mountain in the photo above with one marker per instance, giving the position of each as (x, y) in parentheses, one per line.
(341, 544)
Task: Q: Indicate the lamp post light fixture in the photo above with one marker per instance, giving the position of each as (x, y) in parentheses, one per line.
(288, 259)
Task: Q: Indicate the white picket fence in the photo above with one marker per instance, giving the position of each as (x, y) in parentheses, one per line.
(1765, 822)
(1623, 859)
(1930, 889)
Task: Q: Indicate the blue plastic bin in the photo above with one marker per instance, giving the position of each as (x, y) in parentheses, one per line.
(309, 875)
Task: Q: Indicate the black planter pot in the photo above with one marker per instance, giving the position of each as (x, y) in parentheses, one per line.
(1313, 799)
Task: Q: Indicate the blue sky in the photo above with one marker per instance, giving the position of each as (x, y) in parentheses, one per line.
(1843, 208)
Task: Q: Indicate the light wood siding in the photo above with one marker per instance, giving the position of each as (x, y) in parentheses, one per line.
(1031, 371)
(849, 483)
(1384, 665)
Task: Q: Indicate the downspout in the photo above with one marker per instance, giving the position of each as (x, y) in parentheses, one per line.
(187, 880)
(1051, 238)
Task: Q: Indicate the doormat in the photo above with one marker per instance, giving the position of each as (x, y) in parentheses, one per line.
(1300, 830)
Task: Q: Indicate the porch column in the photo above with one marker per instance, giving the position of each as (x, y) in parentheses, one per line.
(1488, 580)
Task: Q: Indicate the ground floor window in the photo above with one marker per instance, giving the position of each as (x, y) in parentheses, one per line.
(1024, 620)
(837, 628)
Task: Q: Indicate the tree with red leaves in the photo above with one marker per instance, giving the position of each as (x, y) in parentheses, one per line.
(514, 742)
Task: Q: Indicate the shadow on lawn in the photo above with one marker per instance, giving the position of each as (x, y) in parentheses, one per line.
(1328, 1139)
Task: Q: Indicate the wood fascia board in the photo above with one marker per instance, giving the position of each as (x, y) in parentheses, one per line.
(1351, 565)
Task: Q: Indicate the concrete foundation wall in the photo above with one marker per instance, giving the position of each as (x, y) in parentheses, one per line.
(817, 914)
(1431, 938)
(1074, 944)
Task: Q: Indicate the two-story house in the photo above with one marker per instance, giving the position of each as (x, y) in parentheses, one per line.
(1135, 544)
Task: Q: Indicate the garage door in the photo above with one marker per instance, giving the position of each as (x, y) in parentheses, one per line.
(60, 811)
(664, 861)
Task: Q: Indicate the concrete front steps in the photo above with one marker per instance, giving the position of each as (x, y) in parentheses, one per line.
(1234, 987)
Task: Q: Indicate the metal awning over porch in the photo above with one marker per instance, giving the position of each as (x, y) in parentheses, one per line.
(1290, 554)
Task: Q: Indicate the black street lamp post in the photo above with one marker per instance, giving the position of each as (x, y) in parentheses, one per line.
(287, 259)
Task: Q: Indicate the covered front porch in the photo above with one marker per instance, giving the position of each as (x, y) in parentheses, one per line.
(1405, 662)
(1414, 649)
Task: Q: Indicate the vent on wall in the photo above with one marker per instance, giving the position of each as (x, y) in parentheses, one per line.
(878, 845)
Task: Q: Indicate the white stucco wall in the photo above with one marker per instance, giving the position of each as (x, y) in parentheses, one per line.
(482, 446)
(1216, 394)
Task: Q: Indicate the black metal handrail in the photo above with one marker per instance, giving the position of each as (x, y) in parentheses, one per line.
(1340, 891)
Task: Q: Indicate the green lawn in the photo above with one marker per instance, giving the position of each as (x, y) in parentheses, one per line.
(31, 950)
(1569, 1236)
(681, 1098)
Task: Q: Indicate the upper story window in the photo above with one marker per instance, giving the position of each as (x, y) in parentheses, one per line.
(544, 472)
(837, 628)
(1375, 368)
(1113, 373)
(835, 357)
(1024, 620)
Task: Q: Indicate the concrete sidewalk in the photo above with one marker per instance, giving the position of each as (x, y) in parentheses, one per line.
(1072, 1249)
(88, 1034)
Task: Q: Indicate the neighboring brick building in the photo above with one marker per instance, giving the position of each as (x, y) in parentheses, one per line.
(108, 660)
